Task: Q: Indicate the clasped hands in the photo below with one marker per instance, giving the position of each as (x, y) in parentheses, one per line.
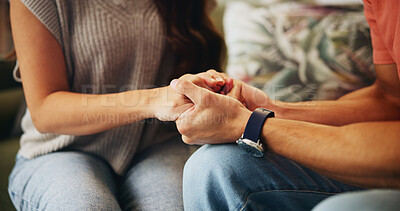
(209, 107)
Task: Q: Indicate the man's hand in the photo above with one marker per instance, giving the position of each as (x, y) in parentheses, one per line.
(250, 96)
(213, 118)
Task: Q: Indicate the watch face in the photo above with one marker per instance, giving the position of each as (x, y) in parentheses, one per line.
(256, 152)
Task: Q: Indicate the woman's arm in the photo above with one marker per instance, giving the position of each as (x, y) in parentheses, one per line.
(54, 108)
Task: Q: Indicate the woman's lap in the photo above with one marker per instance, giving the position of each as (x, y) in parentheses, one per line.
(76, 180)
(154, 180)
(223, 177)
(63, 181)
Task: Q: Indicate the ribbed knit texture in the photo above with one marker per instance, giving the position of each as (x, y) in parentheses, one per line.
(109, 46)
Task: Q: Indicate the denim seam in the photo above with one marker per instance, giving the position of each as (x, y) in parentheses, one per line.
(308, 191)
(26, 201)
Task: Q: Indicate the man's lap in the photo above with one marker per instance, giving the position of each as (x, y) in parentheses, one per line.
(225, 177)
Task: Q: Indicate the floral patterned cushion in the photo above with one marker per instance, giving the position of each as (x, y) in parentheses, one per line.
(297, 51)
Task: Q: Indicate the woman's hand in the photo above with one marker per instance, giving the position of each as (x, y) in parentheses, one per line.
(166, 104)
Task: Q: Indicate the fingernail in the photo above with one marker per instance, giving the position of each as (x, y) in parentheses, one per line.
(219, 79)
(174, 82)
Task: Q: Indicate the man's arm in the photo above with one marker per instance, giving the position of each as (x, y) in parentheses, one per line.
(379, 102)
(363, 151)
(361, 154)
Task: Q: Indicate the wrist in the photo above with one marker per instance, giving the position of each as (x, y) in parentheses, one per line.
(154, 101)
(136, 103)
(241, 122)
(150, 102)
(251, 138)
(278, 107)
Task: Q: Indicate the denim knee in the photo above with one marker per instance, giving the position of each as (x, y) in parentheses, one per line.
(224, 177)
(208, 173)
(62, 181)
(210, 162)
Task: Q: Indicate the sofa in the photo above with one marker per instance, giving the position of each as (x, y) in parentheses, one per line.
(331, 57)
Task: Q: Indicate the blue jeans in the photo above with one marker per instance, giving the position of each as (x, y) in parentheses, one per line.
(80, 181)
(371, 200)
(224, 177)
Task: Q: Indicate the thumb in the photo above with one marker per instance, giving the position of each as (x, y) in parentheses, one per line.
(193, 92)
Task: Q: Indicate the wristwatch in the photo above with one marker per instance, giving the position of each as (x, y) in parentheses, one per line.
(250, 140)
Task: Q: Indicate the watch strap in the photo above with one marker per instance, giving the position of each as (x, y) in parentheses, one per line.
(255, 123)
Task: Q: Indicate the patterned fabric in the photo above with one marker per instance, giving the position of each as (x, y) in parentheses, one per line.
(295, 51)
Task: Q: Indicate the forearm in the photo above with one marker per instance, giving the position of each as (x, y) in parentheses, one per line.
(367, 104)
(363, 154)
(82, 114)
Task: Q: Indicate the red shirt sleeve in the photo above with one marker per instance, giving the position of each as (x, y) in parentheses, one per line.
(380, 53)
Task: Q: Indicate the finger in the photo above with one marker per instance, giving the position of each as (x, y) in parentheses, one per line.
(195, 93)
(228, 82)
(219, 77)
(210, 81)
(214, 83)
(228, 85)
(186, 140)
(203, 80)
(235, 92)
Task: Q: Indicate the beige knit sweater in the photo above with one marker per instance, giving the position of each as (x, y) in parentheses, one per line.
(109, 46)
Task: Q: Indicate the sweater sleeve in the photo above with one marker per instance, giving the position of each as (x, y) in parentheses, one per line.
(46, 11)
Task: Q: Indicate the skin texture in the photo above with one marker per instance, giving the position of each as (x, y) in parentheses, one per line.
(55, 109)
(355, 139)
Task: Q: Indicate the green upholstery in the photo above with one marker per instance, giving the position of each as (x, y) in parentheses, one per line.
(11, 95)
(10, 100)
(8, 150)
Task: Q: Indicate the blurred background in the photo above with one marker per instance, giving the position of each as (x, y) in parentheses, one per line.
(11, 98)
(294, 50)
